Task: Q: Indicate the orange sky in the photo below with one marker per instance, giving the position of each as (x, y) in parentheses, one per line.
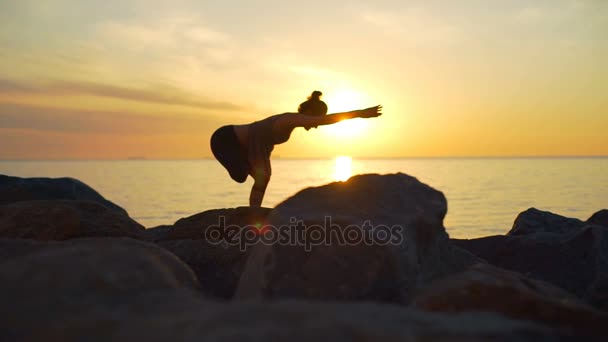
(118, 79)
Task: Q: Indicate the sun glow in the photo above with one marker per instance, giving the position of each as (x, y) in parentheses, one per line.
(343, 101)
(343, 169)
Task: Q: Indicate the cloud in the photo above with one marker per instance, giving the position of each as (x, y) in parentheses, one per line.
(414, 25)
(93, 122)
(174, 34)
(160, 94)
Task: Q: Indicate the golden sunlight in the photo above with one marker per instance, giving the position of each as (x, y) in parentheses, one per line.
(342, 101)
(343, 168)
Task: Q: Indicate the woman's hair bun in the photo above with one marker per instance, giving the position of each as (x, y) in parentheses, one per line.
(316, 95)
(313, 106)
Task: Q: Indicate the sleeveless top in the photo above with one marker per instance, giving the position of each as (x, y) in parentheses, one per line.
(260, 144)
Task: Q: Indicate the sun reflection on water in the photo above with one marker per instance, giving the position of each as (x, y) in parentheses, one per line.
(343, 169)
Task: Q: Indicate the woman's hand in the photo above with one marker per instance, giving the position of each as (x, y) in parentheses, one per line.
(370, 112)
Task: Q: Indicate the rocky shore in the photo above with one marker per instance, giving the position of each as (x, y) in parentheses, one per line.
(74, 266)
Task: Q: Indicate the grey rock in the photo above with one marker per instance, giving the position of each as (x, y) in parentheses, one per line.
(64, 219)
(566, 252)
(600, 218)
(195, 226)
(487, 288)
(534, 221)
(217, 266)
(42, 279)
(16, 189)
(335, 270)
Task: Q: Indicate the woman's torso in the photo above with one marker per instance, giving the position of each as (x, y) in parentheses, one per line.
(264, 132)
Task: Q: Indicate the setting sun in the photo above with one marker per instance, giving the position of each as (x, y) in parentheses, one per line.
(342, 101)
(343, 168)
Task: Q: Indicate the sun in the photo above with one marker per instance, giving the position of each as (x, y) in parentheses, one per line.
(343, 169)
(342, 101)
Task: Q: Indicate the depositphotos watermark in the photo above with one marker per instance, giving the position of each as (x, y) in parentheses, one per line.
(298, 234)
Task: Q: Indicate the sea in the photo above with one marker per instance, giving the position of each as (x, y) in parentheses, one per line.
(484, 195)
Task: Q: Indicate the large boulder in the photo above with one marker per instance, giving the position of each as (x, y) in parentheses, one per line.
(181, 316)
(64, 219)
(15, 189)
(194, 227)
(487, 288)
(314, 321)
(373, 237)
(538, 222)
(600, 218)
(217, 262)
(566, 252)
(39, 280)
(217, 266)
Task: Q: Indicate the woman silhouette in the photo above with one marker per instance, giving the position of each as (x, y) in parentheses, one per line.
(245, 149)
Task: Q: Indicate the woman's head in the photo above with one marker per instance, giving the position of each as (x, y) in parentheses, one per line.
(313, 106)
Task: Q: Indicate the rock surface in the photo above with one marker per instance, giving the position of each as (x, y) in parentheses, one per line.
(184, 316)
(217, 263)
(537, 222)
(487, 288)
(600, 218)
(218, 267)
(15, 189)
(357, 271)
(195, 226)
(122, 289)
(566, 252)
(64, 219)
(46, 277)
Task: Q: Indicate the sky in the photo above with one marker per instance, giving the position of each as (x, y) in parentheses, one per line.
(115, 79)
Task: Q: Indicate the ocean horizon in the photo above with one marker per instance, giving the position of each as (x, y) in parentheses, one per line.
(484, 194)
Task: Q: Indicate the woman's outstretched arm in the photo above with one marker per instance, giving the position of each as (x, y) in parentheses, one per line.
(307, 121)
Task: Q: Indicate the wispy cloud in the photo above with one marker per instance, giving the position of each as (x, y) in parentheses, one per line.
(45, 119)
(414, 25)
(160, 94)
(174, 34)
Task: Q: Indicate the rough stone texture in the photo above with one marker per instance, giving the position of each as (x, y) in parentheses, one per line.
(217, 262)
(44, 285)
(565, 252)
(80, 267)
(194, 227)
(218, 267)
(183, 316)
(534, 221)
(358, 271)
(64, 219)
(487, 288)
(600, 218)
(15, 189)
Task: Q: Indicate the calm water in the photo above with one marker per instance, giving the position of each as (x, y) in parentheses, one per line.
(484, 195)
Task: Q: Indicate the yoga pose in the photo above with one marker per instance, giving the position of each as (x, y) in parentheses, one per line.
(245, 149)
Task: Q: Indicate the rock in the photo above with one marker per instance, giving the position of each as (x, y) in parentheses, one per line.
(301, 321)
(64, 219)
(218, 267)
(418, 251)
(217, 264)
(534, 221)
(15, 189)
(562, 263)
(488, 288)
(565, 252)
(194, 227)
(600, 218)
(43, 278)
(121, 289)
(180, 316)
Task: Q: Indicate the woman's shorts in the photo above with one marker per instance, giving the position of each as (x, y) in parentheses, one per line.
(229, 152)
